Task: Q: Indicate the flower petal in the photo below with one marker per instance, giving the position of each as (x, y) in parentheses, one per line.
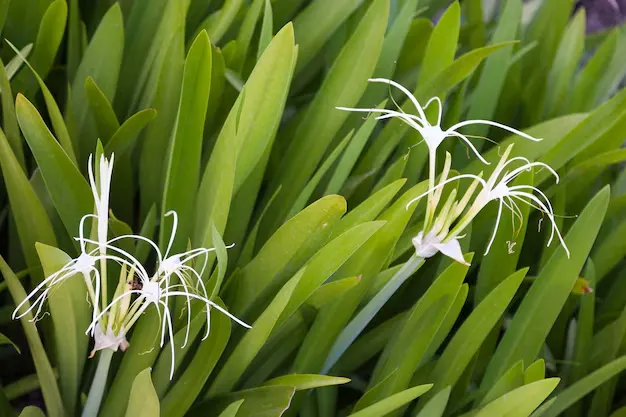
(452, 249)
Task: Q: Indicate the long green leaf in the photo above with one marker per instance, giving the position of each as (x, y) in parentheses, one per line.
(143, 401)
(392, 402)
(520, 402)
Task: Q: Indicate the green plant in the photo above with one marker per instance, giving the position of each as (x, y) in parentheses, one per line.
(222, 118)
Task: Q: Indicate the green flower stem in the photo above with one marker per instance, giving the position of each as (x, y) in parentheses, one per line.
(362, 319)
(92, 406)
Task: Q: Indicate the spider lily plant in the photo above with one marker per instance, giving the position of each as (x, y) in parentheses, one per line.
(442, 228)
(176, 275)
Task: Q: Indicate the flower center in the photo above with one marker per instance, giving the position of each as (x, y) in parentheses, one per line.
(84, 263)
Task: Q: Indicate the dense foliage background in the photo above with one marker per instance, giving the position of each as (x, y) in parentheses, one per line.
(225, 111)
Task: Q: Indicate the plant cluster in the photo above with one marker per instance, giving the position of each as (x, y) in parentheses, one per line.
(311, 207)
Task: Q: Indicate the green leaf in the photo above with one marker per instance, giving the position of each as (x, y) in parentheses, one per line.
(310, 187)
(350, 156)
(67, 187)
(56, 117)
(32, 411)
(295, 235)
(125, 137)
(543, 302)
(513, 378)
(392, 402)
(326, 262)
(49, 36)
(267, 29)
(29, 214)
(189, 385)
(253, 340)
(246, 31)
(520, 402)
(442, 44)
(586, 83)
(471, 335)
(71, 316)
(103, 114)
(306, 381)
(331, 291)
(140, 355)
(258, 402)
(485, 95)
(343, 86)
(143, 401)
(101, 61)
(183, 169)
(218, 23)
(9, 120)
(47, 379)
(436, 406)
(566, 63)
(6, 341)
(232, 409)
(316, 24)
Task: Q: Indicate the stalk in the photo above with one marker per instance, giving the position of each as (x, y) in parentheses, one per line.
(94, 398)
(362, 319)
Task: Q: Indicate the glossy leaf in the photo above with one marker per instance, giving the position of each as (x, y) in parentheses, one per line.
(143, 401)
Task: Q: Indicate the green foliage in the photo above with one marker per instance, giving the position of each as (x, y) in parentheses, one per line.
(226, 113)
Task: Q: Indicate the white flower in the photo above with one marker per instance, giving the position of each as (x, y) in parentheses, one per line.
(137, 290)
(497, 189)
(426, 247)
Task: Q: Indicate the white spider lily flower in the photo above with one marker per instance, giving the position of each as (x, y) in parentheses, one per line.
(157, 291)
(496, 188)
(433, 135)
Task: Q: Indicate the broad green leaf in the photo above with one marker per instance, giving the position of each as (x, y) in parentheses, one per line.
(29, 214)
(535, 372)
(101, 61)
(257, 402)
(245, 285)
(392, 402)
(367, 313)
(343, 86)
(152, 159)
(513, 378)
(350, 156)
(140, 355)
(32, 411)
(47, 379)
(267, 29)
(67, 187)
(253, 340)
(436, 406)
(610, 251)
(331, 291)
(566, 63)
(310, 187)
(6, 341)
(316, 24)
(414, 47)
(470, 336)
(189, 385)
(125, 137)
(326, 262)
(102, 111)
(22, 20)
(49, 36)
(485, 95)
(584, 330)
(9, 120)
(143, 401)
(370, 208)
(404, 351)
(303, 381)
(219, 22)
(543, 302)
(368, 345)
(71, 316)
(232, 409)
(442, 44)
(367, 262)
(141, 25)
(586, 82)
(183, 168)
(520, 402)
(246, 31)
(54, 112)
